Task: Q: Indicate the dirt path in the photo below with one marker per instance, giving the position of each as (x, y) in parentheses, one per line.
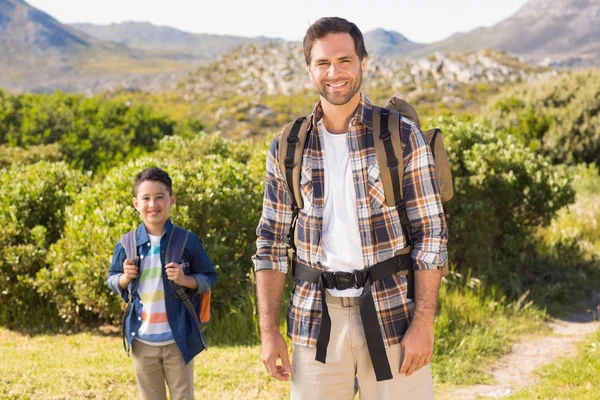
(514, 371)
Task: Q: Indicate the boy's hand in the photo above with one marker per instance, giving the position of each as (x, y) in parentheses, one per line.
(130, 270)
(175, 273)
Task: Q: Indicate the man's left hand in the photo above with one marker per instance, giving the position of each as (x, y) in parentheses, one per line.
(417, 346)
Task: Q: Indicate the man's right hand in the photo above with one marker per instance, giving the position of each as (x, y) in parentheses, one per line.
(274, 348)
(130, 271)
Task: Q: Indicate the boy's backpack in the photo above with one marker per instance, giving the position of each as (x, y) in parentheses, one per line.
(175, 246)
(389, 150)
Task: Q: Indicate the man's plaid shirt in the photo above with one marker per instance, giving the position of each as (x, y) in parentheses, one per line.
(380, 230)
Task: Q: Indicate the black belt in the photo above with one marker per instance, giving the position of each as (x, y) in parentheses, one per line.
(357, 279)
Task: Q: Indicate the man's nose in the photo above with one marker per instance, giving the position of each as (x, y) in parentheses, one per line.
(333, 70)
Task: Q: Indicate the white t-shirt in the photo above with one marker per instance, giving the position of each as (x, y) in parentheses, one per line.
(342, 248)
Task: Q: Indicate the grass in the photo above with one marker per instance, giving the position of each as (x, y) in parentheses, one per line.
(475, 326)
(576, 378)
(94, 366)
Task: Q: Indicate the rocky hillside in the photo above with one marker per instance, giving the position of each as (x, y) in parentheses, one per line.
(553, 32)
(254, 90)
(278, 69)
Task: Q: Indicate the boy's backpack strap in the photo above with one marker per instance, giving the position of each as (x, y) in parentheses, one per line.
(175, 247)
(389, 151)
(176, 244)
(129, 244)
(289, 156)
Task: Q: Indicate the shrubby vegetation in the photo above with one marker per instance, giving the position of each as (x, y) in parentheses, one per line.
(18, 155)
(559, 118)
(33, 199)
(91, 133)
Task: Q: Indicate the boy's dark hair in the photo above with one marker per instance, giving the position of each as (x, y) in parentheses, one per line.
(153, 174)
(324, 26)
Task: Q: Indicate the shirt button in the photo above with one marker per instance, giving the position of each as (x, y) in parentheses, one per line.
(139, 318)
(132, 333)
(148, 244)
(141, 257)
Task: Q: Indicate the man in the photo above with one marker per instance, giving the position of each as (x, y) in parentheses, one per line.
(368, 335)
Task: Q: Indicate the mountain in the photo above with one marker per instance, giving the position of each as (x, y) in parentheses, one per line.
(388, 43)
(184, 46)
(556, 31)
(38, 53)
(26, 33)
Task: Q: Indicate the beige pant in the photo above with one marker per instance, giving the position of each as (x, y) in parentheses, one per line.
(155, 365)
(348, 361)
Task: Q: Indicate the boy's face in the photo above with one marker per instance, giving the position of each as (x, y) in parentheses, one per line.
(153, 202)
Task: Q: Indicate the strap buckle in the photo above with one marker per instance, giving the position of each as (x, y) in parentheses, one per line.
(345, 280)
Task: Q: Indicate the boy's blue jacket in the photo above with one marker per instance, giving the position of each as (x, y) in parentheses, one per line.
(195, 262)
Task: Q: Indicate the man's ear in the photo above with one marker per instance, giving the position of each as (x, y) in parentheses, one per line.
(173, 199)
(309, 74)
(363, 64)
(134, 200)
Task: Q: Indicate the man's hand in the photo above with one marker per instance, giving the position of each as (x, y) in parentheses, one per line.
(274, 348)
(130, 271)
(417, 346)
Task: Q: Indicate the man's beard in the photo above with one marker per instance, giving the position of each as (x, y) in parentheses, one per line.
(341, 99)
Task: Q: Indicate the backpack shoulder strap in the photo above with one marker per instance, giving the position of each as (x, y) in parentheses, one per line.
(389, 151)
(289, 156)
(129, 244)
(176, 244)
(175, 247)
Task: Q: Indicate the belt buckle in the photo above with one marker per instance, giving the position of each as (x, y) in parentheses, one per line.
(346, 301)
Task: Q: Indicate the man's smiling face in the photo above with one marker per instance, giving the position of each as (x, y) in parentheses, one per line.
(335, 68)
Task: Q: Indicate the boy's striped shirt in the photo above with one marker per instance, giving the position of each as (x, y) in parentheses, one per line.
(155, 329)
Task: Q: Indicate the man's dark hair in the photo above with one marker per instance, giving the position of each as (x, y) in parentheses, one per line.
(153, 174)
(327, 25)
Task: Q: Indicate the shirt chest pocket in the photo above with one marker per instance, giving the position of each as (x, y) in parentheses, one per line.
(375, 187)
(306, 188)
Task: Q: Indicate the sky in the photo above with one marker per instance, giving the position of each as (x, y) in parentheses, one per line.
(421, 21)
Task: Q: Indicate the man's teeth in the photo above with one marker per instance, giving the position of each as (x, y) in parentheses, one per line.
(337, 84)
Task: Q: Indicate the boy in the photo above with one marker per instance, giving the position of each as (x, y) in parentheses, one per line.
(162, 334)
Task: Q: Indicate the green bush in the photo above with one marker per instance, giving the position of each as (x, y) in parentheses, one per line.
(503, 193)
(31, 155)
(218, 198)
(32, 203)
(560, 117)
(92, 133)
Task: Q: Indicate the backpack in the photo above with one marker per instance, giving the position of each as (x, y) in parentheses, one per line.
(389, 151)
(175, 246)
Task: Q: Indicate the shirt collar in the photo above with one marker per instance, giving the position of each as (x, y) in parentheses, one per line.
(363, 113)
(141, 234)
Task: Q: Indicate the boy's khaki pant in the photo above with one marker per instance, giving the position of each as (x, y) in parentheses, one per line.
(155, 365)
(348, 360)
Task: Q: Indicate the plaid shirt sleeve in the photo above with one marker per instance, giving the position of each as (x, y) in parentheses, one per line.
(424, 204)
(272, 243)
